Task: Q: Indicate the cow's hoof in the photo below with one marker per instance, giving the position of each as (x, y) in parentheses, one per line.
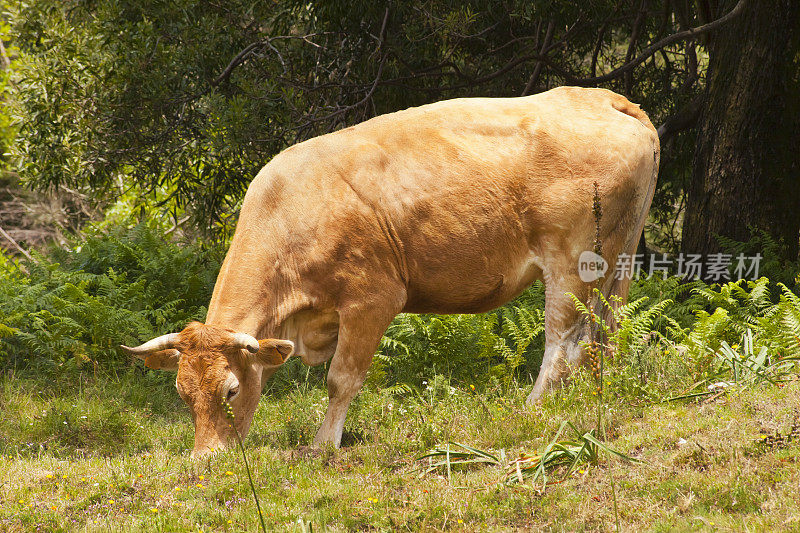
(534, 398)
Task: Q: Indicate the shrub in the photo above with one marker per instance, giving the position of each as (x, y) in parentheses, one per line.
(125, 285)
(473, 349)
(77, 305)
(744, 313)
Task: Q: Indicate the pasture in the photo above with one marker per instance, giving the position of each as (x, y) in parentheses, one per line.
(93, 441)
(110, 453)
(225, 188)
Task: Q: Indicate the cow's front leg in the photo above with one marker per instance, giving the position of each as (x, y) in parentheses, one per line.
(359, 336)
(565, 329)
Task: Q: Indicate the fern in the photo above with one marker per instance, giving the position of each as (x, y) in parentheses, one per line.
(474, 349)
(78, 305)
(773, 264)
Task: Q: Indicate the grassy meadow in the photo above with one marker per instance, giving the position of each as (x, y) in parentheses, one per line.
(111, 453)
(701, 393)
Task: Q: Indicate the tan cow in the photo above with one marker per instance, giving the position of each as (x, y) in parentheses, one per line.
(452, 207)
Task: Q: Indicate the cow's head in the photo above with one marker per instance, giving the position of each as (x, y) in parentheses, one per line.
(214, 364)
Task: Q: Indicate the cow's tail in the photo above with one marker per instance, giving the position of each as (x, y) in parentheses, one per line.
(619, 285)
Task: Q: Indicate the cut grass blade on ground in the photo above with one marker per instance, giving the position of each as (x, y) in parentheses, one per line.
(571, 453)
(583, 448)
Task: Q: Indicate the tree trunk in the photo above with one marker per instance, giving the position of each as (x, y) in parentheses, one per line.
(745, 172)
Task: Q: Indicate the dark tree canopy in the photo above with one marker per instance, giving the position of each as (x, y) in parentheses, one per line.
(182, 102)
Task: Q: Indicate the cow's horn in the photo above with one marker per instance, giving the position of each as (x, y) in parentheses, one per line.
(153, 345)
(245, 341)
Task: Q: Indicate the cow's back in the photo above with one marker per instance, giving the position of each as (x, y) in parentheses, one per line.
(460, 200)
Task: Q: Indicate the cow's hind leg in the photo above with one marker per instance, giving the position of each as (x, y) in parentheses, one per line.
(565, 329)
(360, 332)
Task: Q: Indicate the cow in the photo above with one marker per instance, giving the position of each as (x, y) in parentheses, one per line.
(451, 207)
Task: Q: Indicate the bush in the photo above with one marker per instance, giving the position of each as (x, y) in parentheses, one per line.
(657, 343)
(742, 313)
(126, 285)
(472, 349)
(77, 305)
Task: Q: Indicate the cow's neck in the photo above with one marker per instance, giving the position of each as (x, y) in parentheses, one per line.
(252, 296)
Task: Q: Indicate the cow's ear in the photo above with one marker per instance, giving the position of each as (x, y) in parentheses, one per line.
(162, 359)
(273, 352)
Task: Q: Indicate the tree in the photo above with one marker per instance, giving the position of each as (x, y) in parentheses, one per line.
(746, 172)
(6, 55)
(183, 102)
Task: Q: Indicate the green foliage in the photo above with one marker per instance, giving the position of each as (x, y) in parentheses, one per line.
(636, 325)
(773, 263)
(118, 288)
(194, 97)
(748, 367)
(781, 325)
(735, 308)
(684, 299)
(657, 339)
(640, 348)
(6, 65)
(470, 349)
(124, 285)
(745, 314)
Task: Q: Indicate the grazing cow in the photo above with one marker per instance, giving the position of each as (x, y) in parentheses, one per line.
(452, 207)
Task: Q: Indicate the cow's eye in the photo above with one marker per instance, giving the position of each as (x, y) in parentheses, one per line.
(233, 391)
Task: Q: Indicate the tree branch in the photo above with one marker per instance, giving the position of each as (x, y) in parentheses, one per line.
(242, 56)
(635, 32)
(537, 69)
(4, 56)
(598, 46)
(684, 119)
(375, 83)
(691, 33)
(235, 62)
(16, 245)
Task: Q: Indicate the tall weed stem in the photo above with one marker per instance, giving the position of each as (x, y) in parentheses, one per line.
(229, 413)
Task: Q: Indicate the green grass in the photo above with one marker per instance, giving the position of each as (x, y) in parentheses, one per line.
(110, 453)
